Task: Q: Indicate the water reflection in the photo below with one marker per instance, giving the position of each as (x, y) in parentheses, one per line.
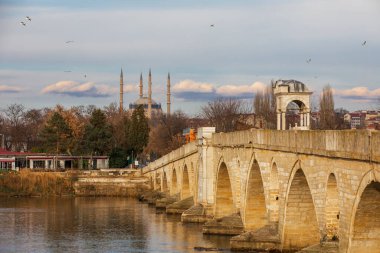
(95, 225)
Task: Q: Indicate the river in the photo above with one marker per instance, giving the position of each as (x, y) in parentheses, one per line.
(88, 224)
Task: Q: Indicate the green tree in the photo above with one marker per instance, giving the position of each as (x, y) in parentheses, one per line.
(118, 158)
(98, 136)
(56, 134)
(137, 131)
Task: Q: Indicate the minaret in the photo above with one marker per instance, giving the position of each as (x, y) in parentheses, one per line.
(150, 95)
(141, 86)
(168, 97)
(121, 91)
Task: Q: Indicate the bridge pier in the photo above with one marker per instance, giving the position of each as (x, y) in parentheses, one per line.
(325, 247)
(164, 202)
(227, 225)
(263, 239)
(151, 197)
(180, 206)
(196, 214)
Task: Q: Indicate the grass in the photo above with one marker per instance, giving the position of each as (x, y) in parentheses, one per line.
(29, 183)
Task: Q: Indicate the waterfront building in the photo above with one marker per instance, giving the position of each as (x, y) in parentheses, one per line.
(11, 160)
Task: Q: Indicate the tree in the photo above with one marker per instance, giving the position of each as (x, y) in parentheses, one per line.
(34, 121)
(224, 113)
(98, 136)
(56, 134)
(15, 127)
(326, 105)
(339, 119)
(76, 120)
(138, 131)
(118, 158)
(165, 134)
(264, 106)
(119, 123)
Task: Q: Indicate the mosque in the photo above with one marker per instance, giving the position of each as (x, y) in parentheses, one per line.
(151, 107)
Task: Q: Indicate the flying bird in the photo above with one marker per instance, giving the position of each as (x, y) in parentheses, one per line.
(85, 76)
(23, 23)
(364, 43)
(67, 71)
(308, 60)
(69, 41)
(212, 25)
(28, 18)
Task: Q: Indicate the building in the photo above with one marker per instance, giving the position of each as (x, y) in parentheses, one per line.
(150, 106)
(10, 160)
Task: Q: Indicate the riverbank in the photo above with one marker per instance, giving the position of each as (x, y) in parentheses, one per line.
(27, 183)
(72, 183)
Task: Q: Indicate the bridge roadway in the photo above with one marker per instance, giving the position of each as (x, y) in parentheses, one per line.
(285, 190)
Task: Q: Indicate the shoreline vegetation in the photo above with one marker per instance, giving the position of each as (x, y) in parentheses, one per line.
(27, 183)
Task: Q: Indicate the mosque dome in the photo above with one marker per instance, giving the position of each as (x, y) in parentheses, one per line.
(144, 101)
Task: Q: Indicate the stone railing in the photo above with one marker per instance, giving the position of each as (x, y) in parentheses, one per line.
(349, 144)
(182, 152)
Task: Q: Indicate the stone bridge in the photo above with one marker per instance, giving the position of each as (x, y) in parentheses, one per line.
(307, 191)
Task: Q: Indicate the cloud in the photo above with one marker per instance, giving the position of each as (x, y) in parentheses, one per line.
(89, 89)
(192, 90)
(358, 93)
(193, 86)
(240, 90)
(9, 89)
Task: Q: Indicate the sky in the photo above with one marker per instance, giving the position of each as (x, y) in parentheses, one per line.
(71, 52)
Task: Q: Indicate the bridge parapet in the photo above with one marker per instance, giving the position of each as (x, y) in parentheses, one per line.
(350, 144)
(175, 155)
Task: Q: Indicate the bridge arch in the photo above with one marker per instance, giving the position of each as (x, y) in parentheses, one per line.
(365, 222)
(274, 193)
(224, 204)
(185, 191)
(255, 214)
(157, 181)
(174, 182)
(332, 212)
(300, 225)
(165, 187)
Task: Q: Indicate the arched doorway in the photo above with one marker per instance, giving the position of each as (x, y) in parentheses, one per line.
(224, 204)
(332, 209)
(255, 209)
(366, 230)
(185, 193)
(274, 189)
(301, 226)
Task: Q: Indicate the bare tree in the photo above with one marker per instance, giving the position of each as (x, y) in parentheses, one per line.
(326, 105)
(34, 121)
(264, 105)
(15, 127)
(224, 113)
(166, 133)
